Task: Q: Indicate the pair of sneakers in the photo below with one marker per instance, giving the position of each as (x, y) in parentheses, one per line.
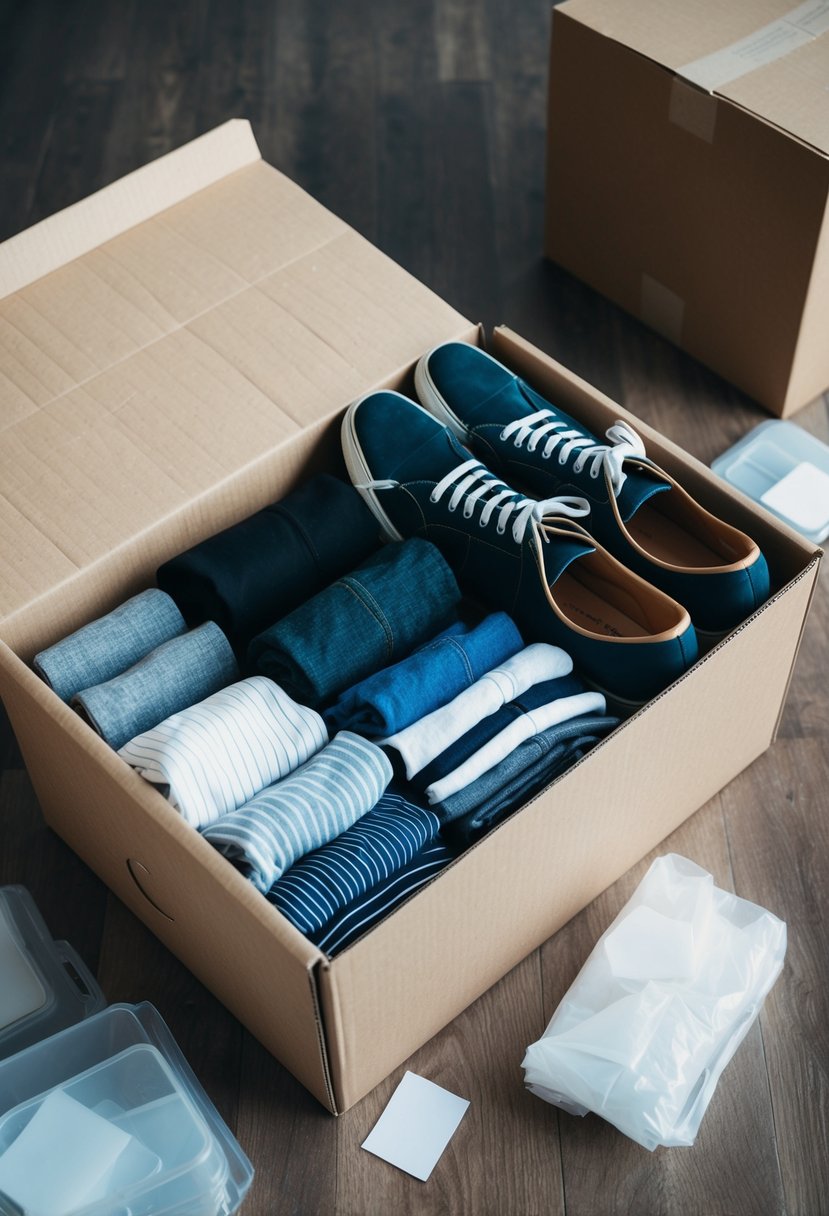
(626, 598)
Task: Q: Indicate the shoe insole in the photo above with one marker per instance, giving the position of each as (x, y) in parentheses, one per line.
(668, 541)
(590, 611)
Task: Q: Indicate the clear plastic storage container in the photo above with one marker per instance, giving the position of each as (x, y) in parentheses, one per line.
(105, 1117)
(44, 985)
(786, 470)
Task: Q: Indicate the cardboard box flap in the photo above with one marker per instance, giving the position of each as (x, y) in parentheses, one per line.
(768, 56)
(74, 231)
(175, 355)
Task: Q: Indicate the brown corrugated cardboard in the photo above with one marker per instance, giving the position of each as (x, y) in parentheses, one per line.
(688, 177)
(220, 386)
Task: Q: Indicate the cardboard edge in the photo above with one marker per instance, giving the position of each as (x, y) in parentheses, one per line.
(317, 972)
(814, 568)
(124, 203)
(563, 13)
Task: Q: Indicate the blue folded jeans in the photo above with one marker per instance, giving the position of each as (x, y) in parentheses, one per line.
(485, 730)
(356, 918)
(395, 600)
(395, 697)
(109, 645)
(259, 570)
(174, 676)
(379, 845)
(476, 809)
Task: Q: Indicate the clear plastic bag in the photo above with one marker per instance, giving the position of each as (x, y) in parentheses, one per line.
(660, 1006)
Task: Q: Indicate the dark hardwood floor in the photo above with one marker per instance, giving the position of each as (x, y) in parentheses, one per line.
(422, 124)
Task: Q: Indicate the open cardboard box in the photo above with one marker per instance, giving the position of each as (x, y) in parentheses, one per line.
(688, 178)
(176, 351)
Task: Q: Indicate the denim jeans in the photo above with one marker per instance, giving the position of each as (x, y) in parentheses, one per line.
(525, 772)
(174, 676)
(395, 697)
(109, 645)
(394, 601)
(378, 846)
(259, 570)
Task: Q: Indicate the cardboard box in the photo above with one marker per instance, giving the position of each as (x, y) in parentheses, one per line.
(688, 178)
(176, 352)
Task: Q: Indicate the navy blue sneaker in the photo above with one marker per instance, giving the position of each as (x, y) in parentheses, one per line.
(638, 511)
(530, 558)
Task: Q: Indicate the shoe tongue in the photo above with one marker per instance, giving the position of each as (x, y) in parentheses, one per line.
(562, 551)
(640, 485)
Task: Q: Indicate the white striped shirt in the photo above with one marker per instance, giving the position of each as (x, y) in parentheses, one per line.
(212, 758)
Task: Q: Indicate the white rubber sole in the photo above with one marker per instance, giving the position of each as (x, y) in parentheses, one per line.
(359, 472)
(431, 398)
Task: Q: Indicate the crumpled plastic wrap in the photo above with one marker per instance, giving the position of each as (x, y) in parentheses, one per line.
(660, 1006)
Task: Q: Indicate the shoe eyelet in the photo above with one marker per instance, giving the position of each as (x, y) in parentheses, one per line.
(594, 473)
(432, 498)
(451, 509)
(481, 523)
(502, 436)
(500, 530)
(562, 460)
(467, 514)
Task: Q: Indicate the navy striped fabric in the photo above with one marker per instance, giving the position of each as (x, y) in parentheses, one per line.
(378, 846)
(357, 918)
(303, 811)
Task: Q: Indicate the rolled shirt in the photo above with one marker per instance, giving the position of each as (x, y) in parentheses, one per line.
(427, 738)
(259, 570)
(356, 918)
(174, 676)
(526, 771)
(393, 698)
(304, 811)
(109, 645)
(370, 618)
(378, 846)
(480, 734)
(534, 722)
(215, 756)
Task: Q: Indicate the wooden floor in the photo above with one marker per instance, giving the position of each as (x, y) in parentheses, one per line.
(422, 124)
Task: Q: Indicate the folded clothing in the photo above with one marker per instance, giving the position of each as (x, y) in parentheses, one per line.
(659, 1008)
(251, 574)
(480, 734)
(393, 698)
(476, 809)
(395, 600)
(174, 676)
(522, 728)
(109, 645)
(213, 757)
(379, 845)
(358, 917)
(419, 743)
(304, 811)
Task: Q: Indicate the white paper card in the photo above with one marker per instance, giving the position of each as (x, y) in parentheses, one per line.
(802, 496)
(416, 1126)
(56, 1163)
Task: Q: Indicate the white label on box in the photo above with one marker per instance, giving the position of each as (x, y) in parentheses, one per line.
(416, 1126)
(769, 42)
(801, 496)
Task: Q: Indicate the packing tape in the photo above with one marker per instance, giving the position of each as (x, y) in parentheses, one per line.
(661, 308)
(693, 110)
(768, 43)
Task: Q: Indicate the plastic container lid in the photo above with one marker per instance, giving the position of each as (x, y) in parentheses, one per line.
(44, 985)
(786, 470)
(100, 1113)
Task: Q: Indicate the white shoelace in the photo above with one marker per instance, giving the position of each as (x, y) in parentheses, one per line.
(624, 442)
(473, 482)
